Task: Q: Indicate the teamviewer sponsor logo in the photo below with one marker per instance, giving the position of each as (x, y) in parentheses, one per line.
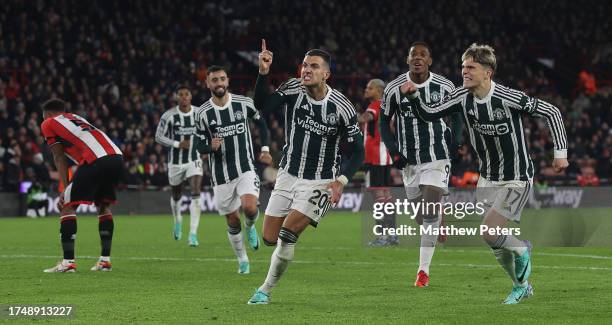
(186, 130)
(230, 130)
(491, 129)
(313, 126)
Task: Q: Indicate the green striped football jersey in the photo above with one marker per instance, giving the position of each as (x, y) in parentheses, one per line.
(175, 126)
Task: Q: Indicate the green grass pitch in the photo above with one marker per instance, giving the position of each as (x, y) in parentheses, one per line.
(334, 278)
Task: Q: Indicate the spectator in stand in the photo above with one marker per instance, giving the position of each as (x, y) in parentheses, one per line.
(116, 62)
(587, 82)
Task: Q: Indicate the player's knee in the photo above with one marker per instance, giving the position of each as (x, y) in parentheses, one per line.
(430, 217)
(233, 219)
(287, 236)
(249, 209)
(195, 197)
(286, 249)
(419, 219)
(234, 229)
(492, 240)
(431, 193)
(68, 227)
(67, 210)
(268, 241)
(103, 209)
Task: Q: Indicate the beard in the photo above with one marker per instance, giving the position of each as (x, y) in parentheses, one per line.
(311, 83)
(219, 92)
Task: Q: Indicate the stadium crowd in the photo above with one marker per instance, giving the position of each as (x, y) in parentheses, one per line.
(117, 63)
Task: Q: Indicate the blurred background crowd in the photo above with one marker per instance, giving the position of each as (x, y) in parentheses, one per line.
(117, 62)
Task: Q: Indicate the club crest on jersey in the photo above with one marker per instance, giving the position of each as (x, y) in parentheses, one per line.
(435, 96)
(332, 118)
(499, 114)
(238, 115)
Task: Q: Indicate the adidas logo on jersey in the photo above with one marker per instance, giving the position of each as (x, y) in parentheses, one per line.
(316, 212)
(405, 100)
(529, 105)
(213, 122)
(506, 206)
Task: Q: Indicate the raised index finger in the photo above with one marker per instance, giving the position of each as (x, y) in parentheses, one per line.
(263, 45)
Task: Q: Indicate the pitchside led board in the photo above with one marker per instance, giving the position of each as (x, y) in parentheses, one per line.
(553, 216)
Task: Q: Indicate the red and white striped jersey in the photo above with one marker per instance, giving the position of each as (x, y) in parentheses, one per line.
(83, 143)
(376, 152)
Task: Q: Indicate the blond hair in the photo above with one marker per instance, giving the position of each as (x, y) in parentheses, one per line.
(480, 53)
(378, 83)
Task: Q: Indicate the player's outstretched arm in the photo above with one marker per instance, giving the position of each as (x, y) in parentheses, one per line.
(264, 135)
(206, 145)
(388, 108)
(399, 161)
(162, 130)
(554, 120)
(356, 153)
(450, 104)
(456, 133)
(203, 138)
(264, 138)
(61, 163)
(260, 122)
(349, 134)
(263, 99)
(261, 92)
(202, 144)
(553, 117)
(265, 59)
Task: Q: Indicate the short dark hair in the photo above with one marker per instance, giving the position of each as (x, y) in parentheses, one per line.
(421, 43)
(322, 54)
(215, 68)
(181, 86)
(54, 105)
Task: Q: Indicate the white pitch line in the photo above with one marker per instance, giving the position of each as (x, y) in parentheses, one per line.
(597, 257)
(214, 259)
(451, 250)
